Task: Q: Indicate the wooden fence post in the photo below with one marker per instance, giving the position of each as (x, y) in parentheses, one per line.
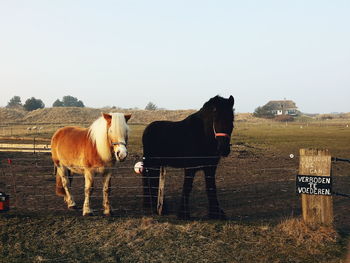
(161, 190)
(316, 209)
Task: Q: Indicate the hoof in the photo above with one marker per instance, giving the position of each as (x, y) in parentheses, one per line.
(88, 214)
(165, 210)
(110, 214)
(218, 215)
(183, 215)
(72, 208)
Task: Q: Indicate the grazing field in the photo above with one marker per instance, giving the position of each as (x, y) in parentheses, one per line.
(256, 188)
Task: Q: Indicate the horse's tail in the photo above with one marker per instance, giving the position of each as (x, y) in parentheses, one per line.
(59, 186)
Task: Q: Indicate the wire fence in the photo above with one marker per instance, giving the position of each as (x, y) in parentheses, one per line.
(336, 160)
(248, 189)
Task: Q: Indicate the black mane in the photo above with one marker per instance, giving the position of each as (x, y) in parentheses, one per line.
(213, 102)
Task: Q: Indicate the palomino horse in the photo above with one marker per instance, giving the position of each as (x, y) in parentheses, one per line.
(195, 143)
(89, 151)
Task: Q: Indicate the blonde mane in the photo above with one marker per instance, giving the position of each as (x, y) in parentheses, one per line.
(98, 134)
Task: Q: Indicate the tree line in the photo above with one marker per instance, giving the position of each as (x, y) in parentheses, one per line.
(34, 104)
(67, 101)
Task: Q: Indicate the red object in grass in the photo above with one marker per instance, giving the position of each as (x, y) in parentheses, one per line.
(4, 202)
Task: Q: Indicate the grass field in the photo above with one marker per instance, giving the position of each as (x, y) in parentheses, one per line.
(291, 137)
(258, 231)
(48, 238)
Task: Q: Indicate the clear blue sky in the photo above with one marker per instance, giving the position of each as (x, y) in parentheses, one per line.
(177, 54)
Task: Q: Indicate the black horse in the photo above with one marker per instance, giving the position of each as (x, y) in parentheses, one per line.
(195, 143)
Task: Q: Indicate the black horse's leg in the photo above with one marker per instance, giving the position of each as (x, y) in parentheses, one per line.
(150, 189)
(215, 211)
(184, 211)
(146, 190)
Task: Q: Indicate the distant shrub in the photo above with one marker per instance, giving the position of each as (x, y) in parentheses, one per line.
(151, 106)
(263, 112)
(14, 102)
(68, 101)
(57, 103)
(284, 118)
(33, 104)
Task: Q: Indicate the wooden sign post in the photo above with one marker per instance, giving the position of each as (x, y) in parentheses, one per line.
(161, 190)
(316, 208)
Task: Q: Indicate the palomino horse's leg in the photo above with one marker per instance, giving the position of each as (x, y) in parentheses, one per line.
(215, 211)
(89, 182)
(106, 191)
(68, 198)
(184, 212)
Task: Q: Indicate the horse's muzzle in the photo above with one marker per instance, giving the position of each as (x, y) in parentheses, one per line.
(224, 147)
(120, 156)
(225, 152)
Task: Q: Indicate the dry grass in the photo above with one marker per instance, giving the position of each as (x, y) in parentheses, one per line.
(87, 115)
(11, 115)
(290, 137)
(84, 115)
(46, 238)
(312, 236)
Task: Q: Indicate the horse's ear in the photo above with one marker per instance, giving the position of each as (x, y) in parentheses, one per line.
(232, 100)
(127, 117)
(107, 117)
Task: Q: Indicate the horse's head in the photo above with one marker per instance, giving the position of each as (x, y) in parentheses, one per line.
(117, 133)
(222, 122)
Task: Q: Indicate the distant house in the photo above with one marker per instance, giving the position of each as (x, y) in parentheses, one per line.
(282, 107)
